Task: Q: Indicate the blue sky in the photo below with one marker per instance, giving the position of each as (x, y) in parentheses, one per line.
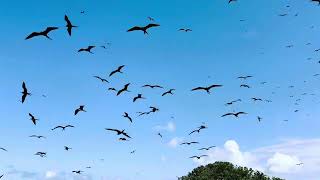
(219, 49)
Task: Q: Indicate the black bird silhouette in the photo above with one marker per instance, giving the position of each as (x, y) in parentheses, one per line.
(168, 92)
(63, 127)
(245, 85)
(150, 18)
(25, 92)
(159, 134)
(244, 77)
(207, 149)
(81, 108)
(118, 70)
(153, 109)
(282, 15)
(318, 1)
(126, 115)
(1, 176)
(259, 118)
(144, 29)
(67, 148)
(33, 119)
(42, 33)
(299, 164)
(41, 154)
(230, 103)
(119, 132)
(123, 139)
(185, 29)
(78, 172)
(35, 136)
(124, 89)
(3, 149)
(87, 49)
(139, 96)
(206, 88)
(112, 89)
(198, 157)
(69, 25)
(152, 86)
(101, 79)
(256, 99)
(189, 143)
(198, 129)
(234, 114)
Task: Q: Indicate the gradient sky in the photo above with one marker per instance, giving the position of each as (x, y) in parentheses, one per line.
(218, 50)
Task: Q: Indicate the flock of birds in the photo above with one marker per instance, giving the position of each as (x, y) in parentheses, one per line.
(121, 133)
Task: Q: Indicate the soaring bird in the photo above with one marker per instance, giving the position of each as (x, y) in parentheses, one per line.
(87, 49)
(101, 79)
(207, 149)
(81, 108)
(3, 149)
(185, 29)
(69, 25)
(112, 89)
(153, 109)
(206, 88)
(259, 118)
(245, 85)
(282, 15)
(189, 143)
(139, 96)
(152, 86)
(118, 70)
(168, 92)
(35, 136)
(198, 129)
(144, 29)
(256, 99)
(132, 152)
(198, 157)
(67, 148)
(244, 77)
(124, 89)
(233, 114)
(1, 176)
(234, 101)
(42, 33)
(33, 119)
(119, 132)
(25, 92)
(78, 171)
(62, 127)
(159, 134)
(41, 154)
(126, 115)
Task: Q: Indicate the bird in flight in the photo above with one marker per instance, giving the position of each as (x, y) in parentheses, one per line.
(259, 118)
(132, 152)
(3, 149)
(101, 79)
(207, 149)
(35, 136)
(150, 18)
(67, 148)
(63, 127)
(198, 130)
(25, 92)
(42, 33)
(144, 29)
(139, 96)
(80, 109)
(256, 99)
(69, 25)
(111, 89)
(41, 154)
(118, 70)
(207, 89)
(87, 49)
(244, 77)
(168, 92)
(119, 132)
(185, 29)
(159, 134)
(189, 143)
(126, 115)
(152, 86)
(233, 114)
(230, 103)
(1, 176)
(282, 15)
(198, 157)
(33, 119)
(245, 86)
(124, 89)
(78, 172)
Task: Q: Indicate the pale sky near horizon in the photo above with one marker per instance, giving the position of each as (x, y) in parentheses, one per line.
(218, 50)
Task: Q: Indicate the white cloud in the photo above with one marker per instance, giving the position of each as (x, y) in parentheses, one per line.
(278, 160)
(50, 174)
(174, 142)
(170, 126)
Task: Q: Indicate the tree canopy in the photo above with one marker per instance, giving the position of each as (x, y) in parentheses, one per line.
(225, 171)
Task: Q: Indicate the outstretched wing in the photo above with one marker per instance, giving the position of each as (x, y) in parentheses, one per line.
(136, 28)
(152, 25)
(214, 85)
(197, 88)
(32, 35)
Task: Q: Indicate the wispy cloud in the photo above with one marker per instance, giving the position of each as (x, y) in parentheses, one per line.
(170, 127)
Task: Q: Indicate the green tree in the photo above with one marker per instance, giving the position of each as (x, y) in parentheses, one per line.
(225, 171)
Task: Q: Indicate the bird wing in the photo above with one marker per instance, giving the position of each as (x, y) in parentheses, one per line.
(76, 111)
(69, 126)
(135, 28)
(50, 29)
(24, 87)
(198, 88)
(126, 135)
(152, 25)
(67, 20)
(32, 117)
(33, 34)
(228, 114)
(214, 85)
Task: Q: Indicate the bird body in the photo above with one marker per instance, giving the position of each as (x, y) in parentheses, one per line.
(80, 109)
(25, 92)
